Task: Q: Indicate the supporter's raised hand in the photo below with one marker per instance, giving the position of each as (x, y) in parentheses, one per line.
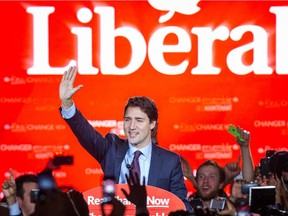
(138, 193)
(275, 181)
(247, 162)
(51, 166)
(67, 89)
(187, 172)
(9, 189)
(245, 135)
(262, 181)
(232, 170)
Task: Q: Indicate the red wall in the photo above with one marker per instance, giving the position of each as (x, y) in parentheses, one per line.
(195, 109)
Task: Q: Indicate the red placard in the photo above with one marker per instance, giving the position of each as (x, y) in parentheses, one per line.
(159, 201)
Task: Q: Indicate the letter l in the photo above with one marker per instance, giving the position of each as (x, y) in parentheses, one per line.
(40, 43)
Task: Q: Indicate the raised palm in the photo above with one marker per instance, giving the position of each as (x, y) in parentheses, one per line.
(66, 88)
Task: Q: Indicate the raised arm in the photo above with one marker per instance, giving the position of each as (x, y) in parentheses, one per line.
(9, 189)
(138, 193)
(188, 172)
(247, 162)
(67, 89)
(231, 170)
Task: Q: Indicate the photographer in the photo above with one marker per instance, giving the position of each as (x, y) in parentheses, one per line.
(278, 176)
(265, 201)
(58, 203)
(35, 195)
(51, 200)
(17, 193)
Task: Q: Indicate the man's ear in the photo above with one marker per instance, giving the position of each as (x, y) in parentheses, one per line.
(152, 125)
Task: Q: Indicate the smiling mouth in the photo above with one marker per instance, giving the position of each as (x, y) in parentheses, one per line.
(132, 134)
(205, 188)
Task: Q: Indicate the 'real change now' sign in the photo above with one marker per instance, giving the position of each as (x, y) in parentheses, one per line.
(159, 202)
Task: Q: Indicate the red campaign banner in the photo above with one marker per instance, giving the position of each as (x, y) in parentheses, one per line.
(159, 201)
(206, 64)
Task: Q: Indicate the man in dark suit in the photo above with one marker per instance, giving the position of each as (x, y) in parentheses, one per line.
(161, 167)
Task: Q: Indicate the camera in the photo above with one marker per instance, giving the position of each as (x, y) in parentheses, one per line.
(108, 189)
(264, 166)
(233, 131)
(38, 195)
(246, 187)
(260, 197)
(278, 163)
(196, 203)
(34, 195)
(217, 204)
(63, 160)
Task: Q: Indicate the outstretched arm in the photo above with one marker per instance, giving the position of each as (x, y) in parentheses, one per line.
(9, 189)
(187, 171)
(247, 162)
(67, 89)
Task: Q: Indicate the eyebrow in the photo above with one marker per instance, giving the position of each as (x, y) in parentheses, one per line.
(209, 174)
(138, 118)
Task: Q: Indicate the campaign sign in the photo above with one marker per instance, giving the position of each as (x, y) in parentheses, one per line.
(159, 201)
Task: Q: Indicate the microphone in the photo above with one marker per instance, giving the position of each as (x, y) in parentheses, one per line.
(130, 166)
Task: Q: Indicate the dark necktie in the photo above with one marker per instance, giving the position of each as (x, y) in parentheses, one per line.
(135, 163)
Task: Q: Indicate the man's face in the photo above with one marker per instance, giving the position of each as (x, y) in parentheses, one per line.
(208, 182)
(26, 206)
(137, 127)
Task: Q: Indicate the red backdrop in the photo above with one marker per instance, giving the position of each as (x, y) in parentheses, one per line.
(238, 48)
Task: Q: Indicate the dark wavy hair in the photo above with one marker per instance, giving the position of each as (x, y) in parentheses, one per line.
(147, 106)
(26, 178)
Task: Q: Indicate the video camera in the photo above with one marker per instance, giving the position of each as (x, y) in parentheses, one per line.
(278, 163)
(46, 181)
(264, 163)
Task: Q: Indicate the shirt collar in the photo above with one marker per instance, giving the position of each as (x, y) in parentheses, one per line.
(146, 151)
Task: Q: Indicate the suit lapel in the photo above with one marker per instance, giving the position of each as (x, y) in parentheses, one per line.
(155, 166)
(119, 159)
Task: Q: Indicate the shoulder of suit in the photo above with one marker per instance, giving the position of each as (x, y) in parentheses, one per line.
(115, 138)
(165, 151)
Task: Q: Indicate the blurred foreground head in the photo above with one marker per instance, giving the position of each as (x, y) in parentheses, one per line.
(59, 203)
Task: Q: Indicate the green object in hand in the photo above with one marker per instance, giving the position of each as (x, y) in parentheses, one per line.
(233, 130)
